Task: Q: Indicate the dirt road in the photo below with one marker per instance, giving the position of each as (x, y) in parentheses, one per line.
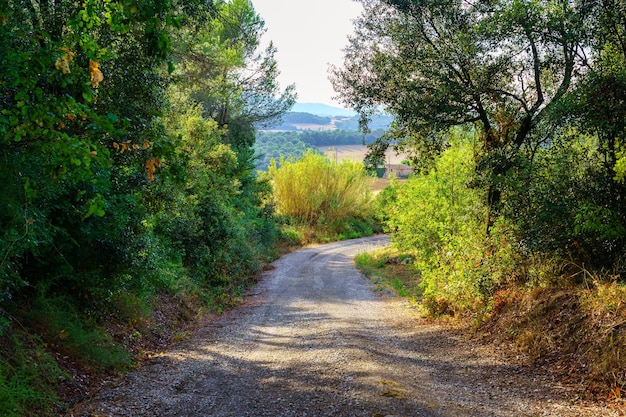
(314, 340)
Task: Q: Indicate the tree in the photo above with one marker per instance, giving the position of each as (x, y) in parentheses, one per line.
(224, 70)
(598, 104)
(81, 91)
(499, 66)
(216, 210)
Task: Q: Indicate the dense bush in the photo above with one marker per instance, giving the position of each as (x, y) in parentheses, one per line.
(440, 220)
(315, 191)
(571, 206)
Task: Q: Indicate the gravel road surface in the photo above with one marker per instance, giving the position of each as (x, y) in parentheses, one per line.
(314, 339)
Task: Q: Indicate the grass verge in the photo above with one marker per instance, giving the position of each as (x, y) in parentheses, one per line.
(391, 271)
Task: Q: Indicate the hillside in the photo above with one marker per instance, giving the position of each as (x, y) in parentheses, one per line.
(292, 144)
(301, 121)
(319, 109)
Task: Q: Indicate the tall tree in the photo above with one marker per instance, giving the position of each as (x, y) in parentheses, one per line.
(225, 70)
(498, 66)
(598, 105)
(81, 92)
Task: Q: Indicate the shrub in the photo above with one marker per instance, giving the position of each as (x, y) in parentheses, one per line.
(441, 220)
(316, 191)
(76, 335)
(28, 377)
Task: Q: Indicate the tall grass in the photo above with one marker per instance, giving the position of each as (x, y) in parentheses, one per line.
(28, 378)
(315, 190)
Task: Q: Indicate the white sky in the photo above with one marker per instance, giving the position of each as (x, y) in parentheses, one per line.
(309, 36)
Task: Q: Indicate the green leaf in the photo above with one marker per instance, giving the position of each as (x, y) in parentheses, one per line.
(95, 206)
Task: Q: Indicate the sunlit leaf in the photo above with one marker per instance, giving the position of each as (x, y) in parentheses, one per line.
(96, 75)
(63, 62)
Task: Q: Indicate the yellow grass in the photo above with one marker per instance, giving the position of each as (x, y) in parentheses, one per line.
(356, 153)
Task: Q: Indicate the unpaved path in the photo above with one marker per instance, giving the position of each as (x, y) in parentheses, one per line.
(315, 340)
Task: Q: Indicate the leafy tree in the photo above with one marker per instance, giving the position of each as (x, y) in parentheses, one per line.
(500, 66)
(274, 145)
(598, 104)
(80, 95)
(225, 72)
(217, 211)
(436, 217)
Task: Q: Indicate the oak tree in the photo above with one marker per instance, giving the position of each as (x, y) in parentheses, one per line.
(494, 66)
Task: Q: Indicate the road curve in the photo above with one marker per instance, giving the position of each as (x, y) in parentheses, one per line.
(314, 340)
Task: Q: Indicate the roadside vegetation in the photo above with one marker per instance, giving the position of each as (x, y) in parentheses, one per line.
(563, 312)
(512, 114)
(320, 200)
(130, 202)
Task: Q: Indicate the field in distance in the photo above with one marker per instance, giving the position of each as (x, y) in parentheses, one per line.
(357, 153)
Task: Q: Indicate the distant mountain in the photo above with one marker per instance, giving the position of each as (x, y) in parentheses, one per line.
(323, 110)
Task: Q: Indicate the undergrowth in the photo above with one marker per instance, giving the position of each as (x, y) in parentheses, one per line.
(28, 375)
(390, 270)
(51, 337)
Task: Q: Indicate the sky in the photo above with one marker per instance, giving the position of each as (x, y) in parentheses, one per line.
(309, 35)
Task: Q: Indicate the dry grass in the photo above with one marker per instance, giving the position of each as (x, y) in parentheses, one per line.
(578, 333)
(356, 153)
(575, 332)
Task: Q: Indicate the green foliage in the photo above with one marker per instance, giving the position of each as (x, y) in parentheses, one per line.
(498, 68)
(223, 70)
(28, 377)
(338, 137)
(570, 205)
(364, 261)
(61, 326)
(391, 270)
(291, 236)
(548, 155)
(292, 118)
(439, 219)
(217, 219)
(126, 167)
(315, 191)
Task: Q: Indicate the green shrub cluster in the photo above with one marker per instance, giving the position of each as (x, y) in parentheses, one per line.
(27, 377)
(549, 128)
(440, 220)
(323, 194)
(556, 220)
